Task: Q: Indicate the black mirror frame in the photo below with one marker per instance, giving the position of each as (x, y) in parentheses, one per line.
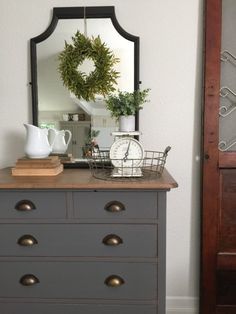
(76, 13)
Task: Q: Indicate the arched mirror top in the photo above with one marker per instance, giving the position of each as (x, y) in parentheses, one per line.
(63, 13)
(52, 103)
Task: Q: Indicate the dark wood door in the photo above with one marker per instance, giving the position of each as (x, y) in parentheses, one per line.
(218, 259)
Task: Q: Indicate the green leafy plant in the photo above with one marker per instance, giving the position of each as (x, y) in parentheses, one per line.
(99, 81)
(125, 103)
(91, 138)
(91, 144)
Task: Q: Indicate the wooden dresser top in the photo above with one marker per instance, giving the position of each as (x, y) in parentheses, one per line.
(81, 179)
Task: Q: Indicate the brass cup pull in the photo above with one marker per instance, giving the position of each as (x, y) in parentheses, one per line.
(27, 240)
(114, 207)
(29, 280)
(114, 281)
(112, 240)
(25, 206)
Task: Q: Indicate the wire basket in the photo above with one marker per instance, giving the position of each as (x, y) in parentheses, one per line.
(150, 167)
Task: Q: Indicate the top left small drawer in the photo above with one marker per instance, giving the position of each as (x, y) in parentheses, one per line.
(32, 204)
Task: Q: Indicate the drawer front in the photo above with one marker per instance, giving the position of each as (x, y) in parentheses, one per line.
(30, 205)
(39, 308)
(78, 280)
(119, 205)
(78, 240)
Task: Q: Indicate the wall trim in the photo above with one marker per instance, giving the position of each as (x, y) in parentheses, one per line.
(181, 305)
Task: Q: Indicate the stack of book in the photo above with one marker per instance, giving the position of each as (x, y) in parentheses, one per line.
(49, 166)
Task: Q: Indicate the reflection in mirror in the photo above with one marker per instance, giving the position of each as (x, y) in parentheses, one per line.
(54, 106)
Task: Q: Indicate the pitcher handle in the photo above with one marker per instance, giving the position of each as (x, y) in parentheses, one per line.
(55, 134)
(70, 135)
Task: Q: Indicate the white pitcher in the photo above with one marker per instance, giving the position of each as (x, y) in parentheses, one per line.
(58, 141)
(37, 144)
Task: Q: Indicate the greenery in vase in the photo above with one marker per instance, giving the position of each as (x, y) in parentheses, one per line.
(125, 103)
(90, 143)
(91, 138)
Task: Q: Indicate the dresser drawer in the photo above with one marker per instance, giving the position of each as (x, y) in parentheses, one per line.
(42, 308)
(118, 205)
(78, 240)
(78, 280)
(30, 205)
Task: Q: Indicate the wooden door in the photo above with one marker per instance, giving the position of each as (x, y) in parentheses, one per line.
(218, 259)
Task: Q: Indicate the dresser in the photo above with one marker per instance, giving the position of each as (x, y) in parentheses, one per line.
(74, 244)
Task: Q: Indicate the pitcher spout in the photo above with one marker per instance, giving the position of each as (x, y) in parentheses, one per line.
(31, 126)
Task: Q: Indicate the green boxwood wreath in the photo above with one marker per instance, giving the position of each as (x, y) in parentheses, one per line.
(99, 81)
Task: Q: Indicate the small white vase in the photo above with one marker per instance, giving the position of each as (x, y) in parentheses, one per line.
(127, 123)
(37, 144)
(58, 140)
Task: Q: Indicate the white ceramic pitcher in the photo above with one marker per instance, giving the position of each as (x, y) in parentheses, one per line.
(37, 144)
(58, 140)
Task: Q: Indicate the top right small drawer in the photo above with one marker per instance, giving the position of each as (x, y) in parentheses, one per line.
(120, 205)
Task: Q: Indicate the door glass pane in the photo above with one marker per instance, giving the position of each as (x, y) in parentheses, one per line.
(227, 110)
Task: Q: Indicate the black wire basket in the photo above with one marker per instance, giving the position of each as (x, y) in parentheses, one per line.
(150, 167)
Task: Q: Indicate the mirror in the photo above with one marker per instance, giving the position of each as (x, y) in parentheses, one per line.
(52, 103)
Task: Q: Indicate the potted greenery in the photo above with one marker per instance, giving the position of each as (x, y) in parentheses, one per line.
(124, 105)
(90, 143)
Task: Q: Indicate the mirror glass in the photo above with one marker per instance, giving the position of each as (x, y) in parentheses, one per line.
(54, 106)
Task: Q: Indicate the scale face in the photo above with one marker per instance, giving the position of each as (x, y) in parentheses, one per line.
(127, 155)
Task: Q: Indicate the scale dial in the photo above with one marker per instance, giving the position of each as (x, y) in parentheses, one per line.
(126, 152)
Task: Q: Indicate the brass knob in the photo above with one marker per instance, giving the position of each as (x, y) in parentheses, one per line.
(114, 207)
(114, 281)
(27, 240)
(25, 205)
(29, 280)
(112, 240)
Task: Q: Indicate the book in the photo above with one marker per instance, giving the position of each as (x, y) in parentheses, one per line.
(37, 171)
(60, 155)
(49, 162)
(64, 158)
(37, 165)
(46, 160)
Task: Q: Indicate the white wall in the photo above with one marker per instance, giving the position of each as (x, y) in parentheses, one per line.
(170, 64)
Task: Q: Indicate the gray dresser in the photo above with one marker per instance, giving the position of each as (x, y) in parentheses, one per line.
(72, 244)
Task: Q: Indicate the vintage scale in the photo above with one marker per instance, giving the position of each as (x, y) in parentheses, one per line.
(126, 154)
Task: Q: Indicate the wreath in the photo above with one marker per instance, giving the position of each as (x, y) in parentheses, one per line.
(99, 81)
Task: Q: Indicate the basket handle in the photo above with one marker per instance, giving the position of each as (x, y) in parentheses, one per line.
(166, 151)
